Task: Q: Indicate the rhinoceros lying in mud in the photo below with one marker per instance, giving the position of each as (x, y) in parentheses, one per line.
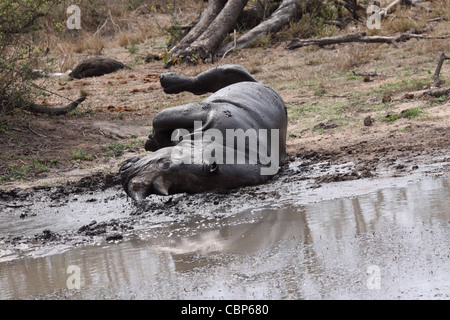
(235, 137)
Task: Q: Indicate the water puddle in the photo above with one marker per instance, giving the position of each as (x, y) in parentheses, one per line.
(393, 242)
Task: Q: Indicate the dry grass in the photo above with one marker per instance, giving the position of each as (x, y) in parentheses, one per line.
(142, 33)
(89, 43)
(106, 24)
(123, 39)
(67, 57)
(403, 19)
(67, 50)
(306, 27)
(350, 57)
(142, 26)
(430, 46)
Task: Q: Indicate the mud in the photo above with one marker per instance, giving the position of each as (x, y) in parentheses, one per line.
(276, 240)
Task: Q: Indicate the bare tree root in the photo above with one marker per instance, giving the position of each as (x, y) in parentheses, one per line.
(54, 111)
(435, 89)
(436, 80)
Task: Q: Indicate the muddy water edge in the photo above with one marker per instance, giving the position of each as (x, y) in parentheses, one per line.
(317, 231)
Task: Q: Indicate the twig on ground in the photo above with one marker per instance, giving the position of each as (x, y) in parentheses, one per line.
(36, 133)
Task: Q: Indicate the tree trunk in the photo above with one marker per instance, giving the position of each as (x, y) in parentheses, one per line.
(355, 9)
(207, 17)
(260, 11)
(215, 23)
(286, 10)
(206, 45)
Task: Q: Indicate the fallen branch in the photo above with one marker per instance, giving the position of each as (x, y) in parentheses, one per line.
(352, 37)
(55, 110)
(36, 133)
(113, 22)
(366, 74)
(359, 37)
(46, 109)
(436, 19)
(436, 80)
(101, 28)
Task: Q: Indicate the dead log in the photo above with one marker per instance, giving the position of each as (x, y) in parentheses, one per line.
(286, 10)
(436, 19)
(54, 111)
(352, 37)
(359, 37)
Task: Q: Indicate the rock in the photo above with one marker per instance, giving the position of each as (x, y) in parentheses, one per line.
(368, 121)
(327, 125)
(366, 174)
(408, 96)
(386, 98)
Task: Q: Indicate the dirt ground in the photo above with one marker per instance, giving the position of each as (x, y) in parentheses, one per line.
(329, 92)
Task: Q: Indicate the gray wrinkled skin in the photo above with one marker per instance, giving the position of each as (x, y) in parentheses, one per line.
(238, 102)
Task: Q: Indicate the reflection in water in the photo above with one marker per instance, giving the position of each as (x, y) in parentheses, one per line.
(320, 250)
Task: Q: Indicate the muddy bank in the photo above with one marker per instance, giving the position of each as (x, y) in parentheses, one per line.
(383, 238)
(95, 209)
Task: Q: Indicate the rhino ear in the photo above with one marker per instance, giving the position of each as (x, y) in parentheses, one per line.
(161, 186)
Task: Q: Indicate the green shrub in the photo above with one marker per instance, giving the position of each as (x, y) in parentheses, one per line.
(79, 154)
(18, 56)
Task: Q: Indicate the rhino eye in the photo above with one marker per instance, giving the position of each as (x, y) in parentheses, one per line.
(163, 164)
(210, 166)
(213, 167)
